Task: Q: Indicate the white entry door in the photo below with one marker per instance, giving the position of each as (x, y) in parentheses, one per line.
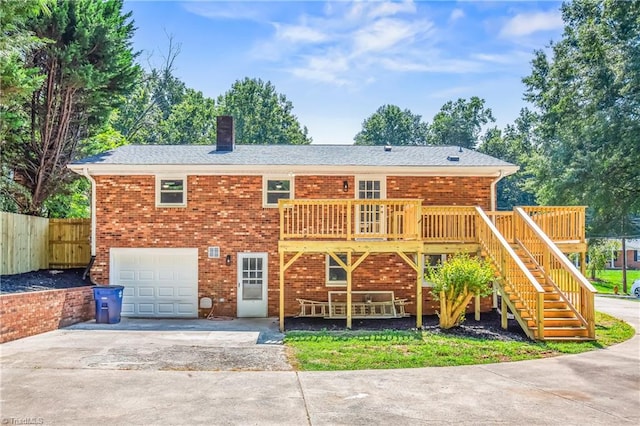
(252, 284)
(158, 282)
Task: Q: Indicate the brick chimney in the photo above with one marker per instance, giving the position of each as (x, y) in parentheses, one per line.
(225, 135)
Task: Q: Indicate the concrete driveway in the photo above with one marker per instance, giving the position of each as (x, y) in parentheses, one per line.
(133, 376)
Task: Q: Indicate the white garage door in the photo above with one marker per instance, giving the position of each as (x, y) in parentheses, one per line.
(158, 282)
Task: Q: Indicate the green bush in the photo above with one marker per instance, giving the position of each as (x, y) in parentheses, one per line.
(455, 283)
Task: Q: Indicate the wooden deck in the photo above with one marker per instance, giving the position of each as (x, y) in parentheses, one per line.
(405, 227)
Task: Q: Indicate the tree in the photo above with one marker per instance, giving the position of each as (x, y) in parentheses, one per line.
(455, 283)
(262, 116)
(588, 100)
(599, 252)
(459, 123)
(17, 82)
(162, 110)
(390, 125)
(88, 66)
(514, 145)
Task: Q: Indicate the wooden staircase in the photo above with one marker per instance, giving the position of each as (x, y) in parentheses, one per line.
(561, 321)
(548, 296)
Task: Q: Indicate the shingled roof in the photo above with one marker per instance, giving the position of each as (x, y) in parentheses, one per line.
(295, 155)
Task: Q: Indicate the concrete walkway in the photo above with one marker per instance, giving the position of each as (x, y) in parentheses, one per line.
(53, 378)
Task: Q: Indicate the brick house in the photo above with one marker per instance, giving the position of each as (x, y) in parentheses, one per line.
(632, 254)
(253, 230)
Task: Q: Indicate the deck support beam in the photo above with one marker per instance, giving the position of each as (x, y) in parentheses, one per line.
(349, 285)
(503, 312)
(281, 274)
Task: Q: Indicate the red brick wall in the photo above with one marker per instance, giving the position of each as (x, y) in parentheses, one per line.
(27, 314)
(226, 211)
(631, 262)
(443, 191)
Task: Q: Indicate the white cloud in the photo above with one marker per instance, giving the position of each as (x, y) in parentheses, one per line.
(528, 23)
(438, 64)
(386, 33)
(391, 8)
(513, 57)
(218, 10)
(456, 14)
(351, 44)
(299, 34)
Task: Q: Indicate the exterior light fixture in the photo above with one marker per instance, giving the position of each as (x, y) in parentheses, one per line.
(345, 185)
(228, 260)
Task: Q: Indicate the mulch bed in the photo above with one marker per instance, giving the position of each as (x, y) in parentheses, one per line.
(44, 279)
(487, 328)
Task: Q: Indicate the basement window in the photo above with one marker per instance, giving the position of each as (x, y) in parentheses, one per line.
(336, 275)
(171, 191)
(276, 188)
(434, 261)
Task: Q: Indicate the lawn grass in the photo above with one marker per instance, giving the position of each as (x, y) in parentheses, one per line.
(360, 350)
(607, 279)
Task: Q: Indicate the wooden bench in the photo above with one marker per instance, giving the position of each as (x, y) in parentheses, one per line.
(364, 304)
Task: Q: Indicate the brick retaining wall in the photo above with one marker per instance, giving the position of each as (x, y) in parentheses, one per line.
(27, 314)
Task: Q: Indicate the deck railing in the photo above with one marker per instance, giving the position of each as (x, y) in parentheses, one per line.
(392, 219)
(449, 224)
(517, 278)
(560, 223)
(557, 267)
(503, 221)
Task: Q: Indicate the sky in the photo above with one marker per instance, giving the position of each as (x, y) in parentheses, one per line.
(339, 61)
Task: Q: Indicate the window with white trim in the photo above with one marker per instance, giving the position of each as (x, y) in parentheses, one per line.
(275, 188)
(336, 274)
(370, 218)
(434, 261)
(171, 191)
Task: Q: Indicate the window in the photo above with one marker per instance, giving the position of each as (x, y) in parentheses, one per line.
(373, 188)
(336, 275)
(432, 261)
(171, 192)
(275, 189)
(370, 218)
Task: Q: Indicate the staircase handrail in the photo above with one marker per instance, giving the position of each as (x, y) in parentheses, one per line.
(585, 306)
(538, 311)
(556, 251)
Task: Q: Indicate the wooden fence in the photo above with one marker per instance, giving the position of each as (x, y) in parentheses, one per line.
(69, 243)
(29, 243)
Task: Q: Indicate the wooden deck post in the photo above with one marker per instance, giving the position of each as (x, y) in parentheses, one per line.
(477, 306)
(503, 311)
(420, 273)
(349, 284)
(281, 308)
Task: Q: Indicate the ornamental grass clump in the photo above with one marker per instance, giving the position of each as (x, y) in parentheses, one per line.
(455, 283)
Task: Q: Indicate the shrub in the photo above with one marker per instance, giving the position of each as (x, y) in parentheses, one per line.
(456, 282)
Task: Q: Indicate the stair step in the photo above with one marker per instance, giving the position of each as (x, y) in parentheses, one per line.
(552, 304)
(559, 313)
(551, 297)
(564, 332)
(570, 339)
(557, 323)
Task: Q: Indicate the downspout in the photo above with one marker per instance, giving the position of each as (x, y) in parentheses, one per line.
(85, 173)
(494, 207)
(494, 198)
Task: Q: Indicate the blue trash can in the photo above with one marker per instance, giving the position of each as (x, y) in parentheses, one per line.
(108, 303)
